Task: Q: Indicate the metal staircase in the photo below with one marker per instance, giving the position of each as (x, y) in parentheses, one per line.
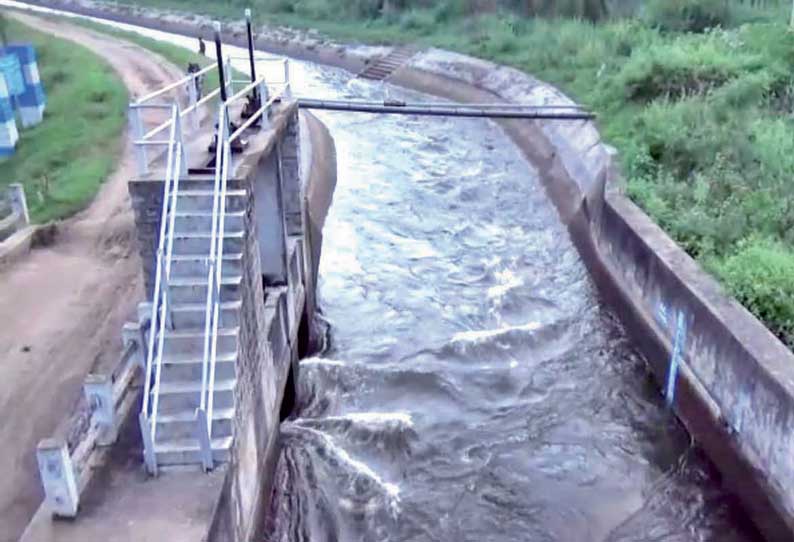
(188, 407)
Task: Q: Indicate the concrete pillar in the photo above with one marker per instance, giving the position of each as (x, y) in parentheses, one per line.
(58, 478)
(270, 230)
(19, 204)
(132, 333)
(98, 391)
(289, 173)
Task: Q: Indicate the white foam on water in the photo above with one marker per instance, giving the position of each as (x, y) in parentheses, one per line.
(376, 418)
(476, 336)
(323, 361)
(506, 281)
(392, 491)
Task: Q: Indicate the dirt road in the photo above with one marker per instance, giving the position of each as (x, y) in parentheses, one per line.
(63, 306)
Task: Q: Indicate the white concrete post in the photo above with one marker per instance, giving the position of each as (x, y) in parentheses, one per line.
(203, 436)
(193, 98)
(227, 72)
(136, 127)
(181, 140)
(58, 477)
(98, 391)
(149, 457)
(264, 122)
(288, 87)
(19, 205)
(132, 333)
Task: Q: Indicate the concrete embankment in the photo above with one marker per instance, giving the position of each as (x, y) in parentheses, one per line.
(734, 385)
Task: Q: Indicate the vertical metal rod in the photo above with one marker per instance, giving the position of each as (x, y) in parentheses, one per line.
(219, 54)
(251, 47)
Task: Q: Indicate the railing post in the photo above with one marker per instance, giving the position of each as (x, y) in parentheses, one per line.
(228, 72)
(181, 141)
(264, 122)
(288, 87)
(98, 391)
(136, 127)
(193, 97)
(203, 436)
(132, 333)
(19, 204)
(149, 457)
(58, 477)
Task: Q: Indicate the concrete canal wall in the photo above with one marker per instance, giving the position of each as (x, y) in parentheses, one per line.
(734, 386)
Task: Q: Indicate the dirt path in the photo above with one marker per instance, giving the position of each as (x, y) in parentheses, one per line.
(63, 306)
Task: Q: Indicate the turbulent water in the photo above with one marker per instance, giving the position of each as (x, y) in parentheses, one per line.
(473, 387)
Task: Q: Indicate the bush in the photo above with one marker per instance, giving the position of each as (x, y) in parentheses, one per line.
(761, 276)
(689, 15)
(685, 66)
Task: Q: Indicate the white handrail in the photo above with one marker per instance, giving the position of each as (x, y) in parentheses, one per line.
(212, 260)
(161, 309)
(156, 294)
(188, 78)
(227, 158)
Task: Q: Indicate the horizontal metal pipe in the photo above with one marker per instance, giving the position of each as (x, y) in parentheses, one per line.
(505, 111)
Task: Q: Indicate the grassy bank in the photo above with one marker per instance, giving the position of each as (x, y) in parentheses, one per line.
(697, 95)
(63, 161)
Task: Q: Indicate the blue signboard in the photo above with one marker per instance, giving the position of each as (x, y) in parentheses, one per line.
(12, 71)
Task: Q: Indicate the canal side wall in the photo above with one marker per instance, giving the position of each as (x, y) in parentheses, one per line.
(735, 385)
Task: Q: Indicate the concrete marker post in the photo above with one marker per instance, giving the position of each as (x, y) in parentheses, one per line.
(136, 127)
(132, 333)
(19, 204)
(192, 93)
(58, 478)
(287, 87)
(98, 391)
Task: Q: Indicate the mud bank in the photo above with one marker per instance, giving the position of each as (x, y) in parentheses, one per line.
(734, 385)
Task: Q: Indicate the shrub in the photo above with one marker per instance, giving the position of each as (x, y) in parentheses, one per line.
(684, 66)
(688, 15)
(761, 276)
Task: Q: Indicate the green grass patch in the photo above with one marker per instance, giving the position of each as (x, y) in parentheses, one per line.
(63, 161)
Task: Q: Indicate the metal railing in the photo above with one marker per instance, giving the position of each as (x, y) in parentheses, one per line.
(161, 318)
(143, 137)
(223, 168)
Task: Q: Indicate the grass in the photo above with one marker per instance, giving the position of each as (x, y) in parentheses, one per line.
(63, 161)
(697, 95)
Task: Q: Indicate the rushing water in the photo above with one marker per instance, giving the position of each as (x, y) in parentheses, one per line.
(473, 388)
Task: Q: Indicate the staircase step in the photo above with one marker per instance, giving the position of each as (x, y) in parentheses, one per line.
(182, 425)
(192, 315)
(196, 242)
(180, 282)
(195, 265)
(202, 220)
(191, 341)
(202, 199)
(190, 367)
(188, 451)
(179, 396)
(194, 289)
